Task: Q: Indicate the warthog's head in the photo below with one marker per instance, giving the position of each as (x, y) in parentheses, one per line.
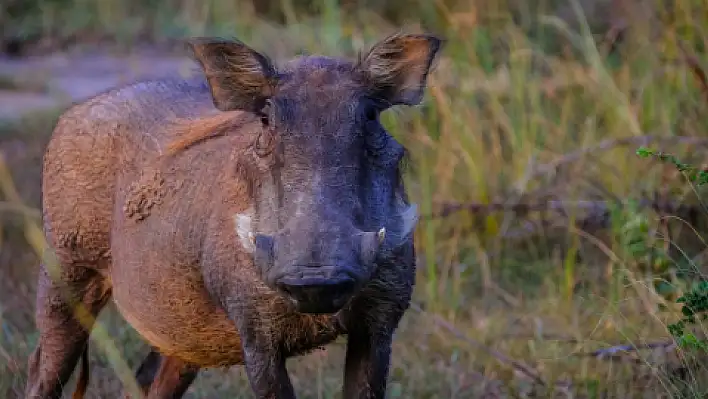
(329, 203)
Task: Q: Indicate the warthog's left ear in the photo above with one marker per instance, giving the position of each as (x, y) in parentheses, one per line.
(398, 66)
(239, 77)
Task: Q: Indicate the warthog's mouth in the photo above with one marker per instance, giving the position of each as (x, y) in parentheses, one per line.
(318, 290)
(321, 274)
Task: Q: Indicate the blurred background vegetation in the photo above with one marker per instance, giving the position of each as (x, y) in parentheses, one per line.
(551, 256)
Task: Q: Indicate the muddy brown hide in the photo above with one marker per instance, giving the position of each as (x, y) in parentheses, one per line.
(162, 195)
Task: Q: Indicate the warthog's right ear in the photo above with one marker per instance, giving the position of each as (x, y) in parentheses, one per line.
(398, 66)
(239, 77)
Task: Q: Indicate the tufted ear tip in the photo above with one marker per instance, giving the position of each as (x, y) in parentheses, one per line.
(398, 66)
(239, 77)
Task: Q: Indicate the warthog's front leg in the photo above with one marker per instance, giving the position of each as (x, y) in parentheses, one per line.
(367, 363)
(370, 324)
(264, 362)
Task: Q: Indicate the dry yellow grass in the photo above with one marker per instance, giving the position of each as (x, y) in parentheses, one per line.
(511, 308)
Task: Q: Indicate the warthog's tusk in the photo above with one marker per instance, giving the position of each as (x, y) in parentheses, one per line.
(382, 235)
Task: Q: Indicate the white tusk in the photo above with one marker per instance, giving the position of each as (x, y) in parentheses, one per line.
(382, 235)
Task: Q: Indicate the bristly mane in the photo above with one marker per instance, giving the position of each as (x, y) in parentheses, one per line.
(190, 131)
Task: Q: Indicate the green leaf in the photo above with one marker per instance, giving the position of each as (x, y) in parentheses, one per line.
(644, 152)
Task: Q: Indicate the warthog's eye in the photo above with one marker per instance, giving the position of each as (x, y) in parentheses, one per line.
(371, 114)
(265, 143)
(265, 113)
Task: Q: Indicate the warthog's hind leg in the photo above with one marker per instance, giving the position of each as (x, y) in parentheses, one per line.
(62, 338)
(147, 371)
(164, 377)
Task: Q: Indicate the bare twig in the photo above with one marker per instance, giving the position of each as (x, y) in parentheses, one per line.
(598, 210)
(615, 35)
(11, 363)
(502, 358)
(543, 337)
(613, 350)
(696, 68)
(613, 143)
(444, 209)
(503, 295)
(447, 208)
(600, 353)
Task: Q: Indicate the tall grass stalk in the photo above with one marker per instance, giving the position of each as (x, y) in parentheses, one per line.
(510, 105)
(35, 237)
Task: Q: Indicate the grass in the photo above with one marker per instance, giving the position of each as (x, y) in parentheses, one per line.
(524, 111)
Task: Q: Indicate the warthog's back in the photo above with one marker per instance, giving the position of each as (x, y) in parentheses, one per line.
(114, 132)
(100, 150)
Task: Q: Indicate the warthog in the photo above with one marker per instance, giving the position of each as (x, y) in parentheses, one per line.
(242, 217)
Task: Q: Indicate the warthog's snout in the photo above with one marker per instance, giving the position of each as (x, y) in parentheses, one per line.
(318, 289)
(321, 276)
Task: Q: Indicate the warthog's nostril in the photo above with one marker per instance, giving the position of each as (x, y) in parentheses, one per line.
(317, 294)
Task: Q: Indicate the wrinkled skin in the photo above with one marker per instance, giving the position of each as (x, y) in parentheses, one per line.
(244, 218)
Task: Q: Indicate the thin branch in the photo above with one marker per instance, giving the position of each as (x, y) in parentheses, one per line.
(444, 209)
(696, 68)
(613, 350)
(613, 143)
(11, 363)
(543, 337)
(502, 358)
